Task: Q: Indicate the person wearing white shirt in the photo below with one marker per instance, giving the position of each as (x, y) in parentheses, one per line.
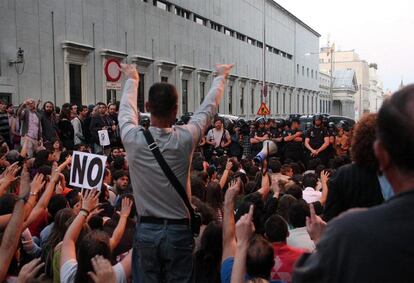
(309, 182)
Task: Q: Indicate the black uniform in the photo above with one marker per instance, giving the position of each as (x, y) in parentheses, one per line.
(316, 140)
(257, 147)
(293, 149)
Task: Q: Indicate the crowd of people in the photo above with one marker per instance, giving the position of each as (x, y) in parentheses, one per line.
(290, 217)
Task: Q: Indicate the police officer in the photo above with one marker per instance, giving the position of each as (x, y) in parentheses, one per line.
(293, 142)
(317, 140)
(259, 136)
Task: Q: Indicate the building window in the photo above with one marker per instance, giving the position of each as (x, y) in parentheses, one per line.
(303, 70)
(182, 13)
(141, 93)
(164, 79)
(320, 107)
(289, 56)
(277, 102)
(297, 69)
(270, 101)
(202, 91)
(259, 44)
(215, 26)
(241, 37)
(269, 48)
(284, 103)
(321, 60)
(228, 32)
(184, 84)
(75, 83)
(110, 96)
(162, 5)
(297, 101)
(252, 101)
(242, 100)
(230, 99)
(303, 104)
(312, 74)
(307, 104)
(276, 51)
(250, 41)
(316, 75)
(200, 20)
(307, 72)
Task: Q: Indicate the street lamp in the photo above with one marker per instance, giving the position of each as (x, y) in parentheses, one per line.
(19, 61)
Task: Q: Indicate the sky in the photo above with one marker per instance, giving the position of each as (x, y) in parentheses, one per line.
(380, 32)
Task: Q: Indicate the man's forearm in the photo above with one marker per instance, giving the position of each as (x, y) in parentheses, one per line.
(128, 110)
(204, 115)
(11, 238)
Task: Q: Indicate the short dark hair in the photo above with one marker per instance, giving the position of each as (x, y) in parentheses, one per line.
(162, 99)
(297, 214)
(309, 180)
(260, 258)
(285, 168)
(395, 128)
(276, 229)
(57, 203)
(295, 191)
(274, 165)
(119, 174)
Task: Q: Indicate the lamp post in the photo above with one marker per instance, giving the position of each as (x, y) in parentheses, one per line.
(19, 61)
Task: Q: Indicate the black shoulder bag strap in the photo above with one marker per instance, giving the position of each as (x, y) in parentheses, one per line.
(152, 145)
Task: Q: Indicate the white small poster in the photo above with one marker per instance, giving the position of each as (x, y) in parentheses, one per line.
(87, 170)
(104, 138)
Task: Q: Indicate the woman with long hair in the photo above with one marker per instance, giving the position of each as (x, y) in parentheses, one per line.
(215, 199)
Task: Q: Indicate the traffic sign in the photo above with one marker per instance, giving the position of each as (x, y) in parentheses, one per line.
(113, 85)
(263, 110)
(112, 70)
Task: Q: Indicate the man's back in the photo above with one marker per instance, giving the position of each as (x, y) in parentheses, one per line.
(374, 245)
(154, 195)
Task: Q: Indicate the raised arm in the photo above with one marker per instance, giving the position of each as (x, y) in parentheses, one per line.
(225, 176)
(203, 116)
(122, 222)
(89, 203)
(128, 116)
(11, 235)
(229, 234)
(244, 231)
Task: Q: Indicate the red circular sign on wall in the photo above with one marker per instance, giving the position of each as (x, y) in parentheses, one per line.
(112, 70)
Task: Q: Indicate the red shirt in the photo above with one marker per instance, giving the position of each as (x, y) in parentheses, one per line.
(285, 259)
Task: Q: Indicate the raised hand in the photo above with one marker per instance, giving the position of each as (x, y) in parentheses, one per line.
(10, 173)
(245, 227)
(315, 225)
(29, 271)
(325, 176)
(37, 183)
(126, 207)
(229, 165)
(103, 272)
(224, 69)
(24, 182)
(233, 190)
(90, 200)
(130, 71)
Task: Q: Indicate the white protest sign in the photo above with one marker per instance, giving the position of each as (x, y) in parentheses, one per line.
(87, 170)
(104, 138)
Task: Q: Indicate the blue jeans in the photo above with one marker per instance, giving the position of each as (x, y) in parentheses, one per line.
(162, 253)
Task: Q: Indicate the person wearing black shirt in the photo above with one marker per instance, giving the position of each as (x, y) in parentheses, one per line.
(317, 140)
(259, 136)
(293, 142)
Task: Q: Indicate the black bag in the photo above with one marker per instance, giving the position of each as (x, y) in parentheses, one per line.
(195, 218)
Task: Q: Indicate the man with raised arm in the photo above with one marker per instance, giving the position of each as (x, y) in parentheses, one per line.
(163, 242)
